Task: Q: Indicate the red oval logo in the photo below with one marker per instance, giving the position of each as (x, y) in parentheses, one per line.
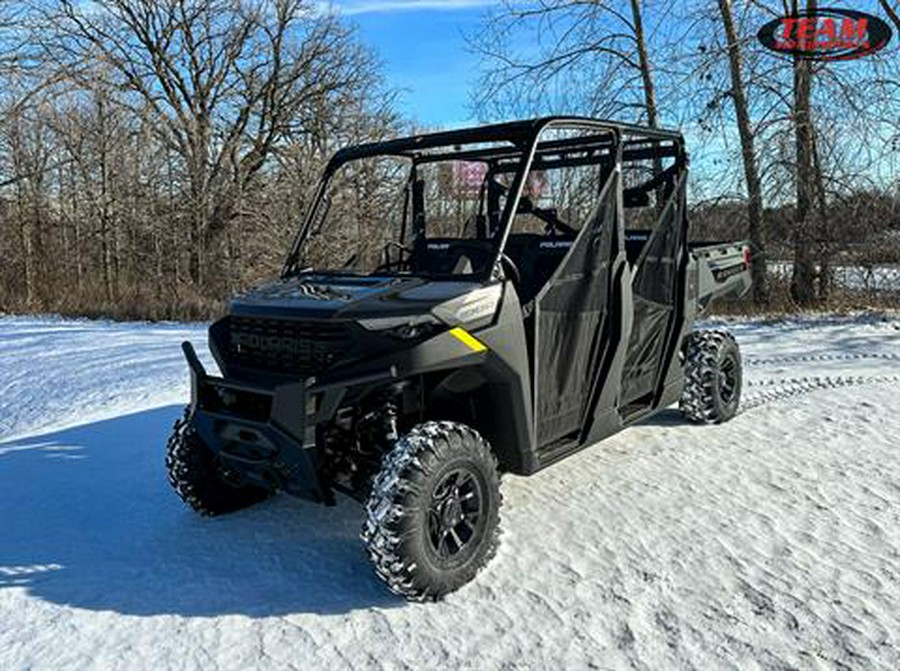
(826, 34)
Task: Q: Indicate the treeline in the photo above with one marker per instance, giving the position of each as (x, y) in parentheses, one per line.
(801, 157)
(861, 231)
(157, 156)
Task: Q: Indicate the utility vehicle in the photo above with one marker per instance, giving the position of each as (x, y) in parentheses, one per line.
(458, 305)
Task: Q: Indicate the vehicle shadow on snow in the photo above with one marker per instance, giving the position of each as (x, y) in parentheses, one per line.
(89, 520)
(665, 417)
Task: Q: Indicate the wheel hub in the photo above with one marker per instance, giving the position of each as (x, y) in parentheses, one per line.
(728, 379)
(454, 513)
(451, 511)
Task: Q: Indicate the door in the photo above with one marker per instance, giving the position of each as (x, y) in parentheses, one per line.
(572, 324)
(658, 313)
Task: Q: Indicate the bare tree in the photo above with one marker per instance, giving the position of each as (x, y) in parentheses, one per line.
(590, 57)
(738, 96)
(227, 81)
(158, 155)
(644, 64)
(802, 281)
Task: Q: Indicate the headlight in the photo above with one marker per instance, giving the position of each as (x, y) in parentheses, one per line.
(473, 306)
(405, 327)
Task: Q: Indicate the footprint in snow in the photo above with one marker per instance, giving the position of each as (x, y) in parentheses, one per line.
(625, 638)
(668, 623)
(761, 603)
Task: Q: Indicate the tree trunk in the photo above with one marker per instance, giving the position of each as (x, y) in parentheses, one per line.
(27, 246)
(823, 249)
(37, 241)
(197, 232)
(892, 14)
(643, 59)
(200, 261)
(649, 91)
(173, 228)
(756, 233)
(76, 223)
(803, 278)
(65, 220)
(104, 203)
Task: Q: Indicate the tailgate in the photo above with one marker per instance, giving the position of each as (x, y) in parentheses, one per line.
(722, 270)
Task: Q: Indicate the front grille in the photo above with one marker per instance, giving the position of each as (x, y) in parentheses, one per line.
(289, 346)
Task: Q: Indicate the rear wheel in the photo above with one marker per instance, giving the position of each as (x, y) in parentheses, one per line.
(432, 518)
(712, 377)
(198, 478)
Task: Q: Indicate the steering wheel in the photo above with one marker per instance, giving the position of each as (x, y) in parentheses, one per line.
(510, 269)
(552, 223)
(388, 264)
(557, 225)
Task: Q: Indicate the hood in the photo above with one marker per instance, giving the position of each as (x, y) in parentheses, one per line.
(347, 296)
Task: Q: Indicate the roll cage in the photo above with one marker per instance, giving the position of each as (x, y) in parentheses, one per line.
(517, 149)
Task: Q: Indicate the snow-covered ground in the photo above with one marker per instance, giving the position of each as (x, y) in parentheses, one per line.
(772, 541)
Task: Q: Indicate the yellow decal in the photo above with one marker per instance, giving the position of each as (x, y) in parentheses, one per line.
(468, 339)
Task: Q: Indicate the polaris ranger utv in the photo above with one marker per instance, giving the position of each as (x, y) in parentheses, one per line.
(457, 305)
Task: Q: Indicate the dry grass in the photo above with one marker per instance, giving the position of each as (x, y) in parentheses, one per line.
(840, 300)
(187, 304)
(131, 305)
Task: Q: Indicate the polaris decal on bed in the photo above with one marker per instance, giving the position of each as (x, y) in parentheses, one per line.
(556, 244)
(730, 271)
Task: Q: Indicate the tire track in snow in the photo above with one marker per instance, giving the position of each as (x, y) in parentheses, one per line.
(820, 358)
(788, 388)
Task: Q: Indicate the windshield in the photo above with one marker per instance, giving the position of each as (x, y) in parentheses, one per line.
(390, 215)
(434, 213)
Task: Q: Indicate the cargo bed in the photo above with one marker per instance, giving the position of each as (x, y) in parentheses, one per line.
(717, 269)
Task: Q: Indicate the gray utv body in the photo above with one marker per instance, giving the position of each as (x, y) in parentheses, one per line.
(551, 343)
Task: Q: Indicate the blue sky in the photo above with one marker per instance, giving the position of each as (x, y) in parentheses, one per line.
(422, 46)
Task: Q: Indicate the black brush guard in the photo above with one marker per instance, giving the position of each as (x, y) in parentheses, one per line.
(268, 434)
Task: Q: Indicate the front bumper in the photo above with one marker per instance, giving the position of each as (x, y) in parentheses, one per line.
(266, 435)
(267, 432)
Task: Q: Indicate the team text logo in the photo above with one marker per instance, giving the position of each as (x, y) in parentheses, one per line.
(826, 34)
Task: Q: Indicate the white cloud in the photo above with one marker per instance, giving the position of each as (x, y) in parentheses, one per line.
(350, 7)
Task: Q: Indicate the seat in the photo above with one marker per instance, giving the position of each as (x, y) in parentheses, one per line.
(634, 244)
(537, 257)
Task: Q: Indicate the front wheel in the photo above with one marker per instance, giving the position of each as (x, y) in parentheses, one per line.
(712, 377)
(432, 518)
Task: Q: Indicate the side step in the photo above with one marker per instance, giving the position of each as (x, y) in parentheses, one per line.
(558, 449)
